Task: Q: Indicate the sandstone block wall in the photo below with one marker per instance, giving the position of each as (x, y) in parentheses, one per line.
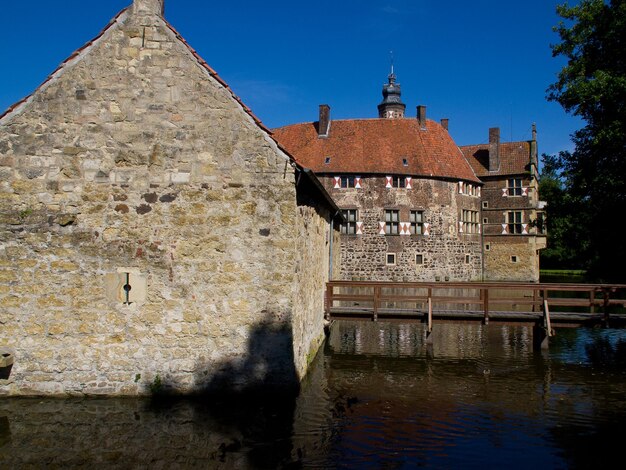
(134, 167)
(513, 259)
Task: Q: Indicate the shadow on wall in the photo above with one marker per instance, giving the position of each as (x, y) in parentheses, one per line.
(248, 401)
(266, 368)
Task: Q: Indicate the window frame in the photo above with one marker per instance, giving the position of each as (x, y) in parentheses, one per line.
(514, 220)
(392, 222)
(398, 182)
(347, 181)
(514, 187)
(470, 219)
(416, 226)
(348, 227)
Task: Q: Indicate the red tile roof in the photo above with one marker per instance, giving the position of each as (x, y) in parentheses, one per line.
(514, 158)
(377, 146)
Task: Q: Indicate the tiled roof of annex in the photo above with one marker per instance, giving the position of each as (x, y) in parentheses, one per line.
(377, 146)
(514, 158)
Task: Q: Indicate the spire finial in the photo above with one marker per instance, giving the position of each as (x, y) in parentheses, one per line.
(392, 106)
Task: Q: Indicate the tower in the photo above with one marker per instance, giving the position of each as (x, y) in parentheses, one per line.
(391, 107)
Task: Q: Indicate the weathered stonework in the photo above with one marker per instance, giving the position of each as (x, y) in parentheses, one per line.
(446, 253)
(135, 159)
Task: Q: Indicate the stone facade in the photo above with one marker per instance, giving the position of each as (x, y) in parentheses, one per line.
(153, 235)
(440, 252)
(410, 200)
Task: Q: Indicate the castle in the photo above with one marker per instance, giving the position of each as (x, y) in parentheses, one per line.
(416, 206)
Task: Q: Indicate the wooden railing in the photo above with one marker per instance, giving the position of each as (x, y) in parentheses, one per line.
(562, 304)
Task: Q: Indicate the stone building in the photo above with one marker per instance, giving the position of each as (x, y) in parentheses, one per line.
(512, 214)
(410, 200)
(416, 206)
(153, 235)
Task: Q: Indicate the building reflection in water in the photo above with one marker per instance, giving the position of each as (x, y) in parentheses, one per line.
(374, 398)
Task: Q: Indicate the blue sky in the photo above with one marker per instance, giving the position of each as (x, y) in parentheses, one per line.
(482, 64)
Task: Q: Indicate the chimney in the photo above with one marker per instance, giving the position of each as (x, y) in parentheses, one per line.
(534, 160)
(421, 115)
(444, 123)
(323, 125)
(494, 149)
(155, 7)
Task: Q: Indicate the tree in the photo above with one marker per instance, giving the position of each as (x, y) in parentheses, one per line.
(567, 245)
(593, 86)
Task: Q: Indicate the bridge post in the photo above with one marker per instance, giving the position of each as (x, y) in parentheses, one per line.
(605, 306)
(486, 305)
(540, 338)
(429, 329)
(376, 300)
(542, 333)
(328, 301)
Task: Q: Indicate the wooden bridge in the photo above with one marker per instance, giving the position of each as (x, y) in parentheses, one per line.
(545, 306)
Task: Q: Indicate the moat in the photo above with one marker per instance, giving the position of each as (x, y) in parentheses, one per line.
(376, 397)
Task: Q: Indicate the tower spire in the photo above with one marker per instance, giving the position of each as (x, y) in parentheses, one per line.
(391, 106)
(391, 76)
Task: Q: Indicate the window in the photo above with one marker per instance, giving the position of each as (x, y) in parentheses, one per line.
(399, 182)
(349, 225)
(392, 222)
(467, 259)
(485, 220)
(514, 219)
(405, 162)
(485, 204)
(347, 181)
(513, 259)
(417, 222)
(390, 259)
(419, 258)
(470, 221)
(487, 247)
(326, 160)
(514, 186)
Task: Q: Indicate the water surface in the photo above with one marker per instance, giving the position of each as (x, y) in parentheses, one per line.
(377, 397)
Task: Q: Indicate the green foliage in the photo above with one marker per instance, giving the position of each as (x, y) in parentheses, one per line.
(567, 244)
(593, 86)
(156, 387)
(25, 213)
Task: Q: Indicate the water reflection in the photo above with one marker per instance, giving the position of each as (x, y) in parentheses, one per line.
(375, 398)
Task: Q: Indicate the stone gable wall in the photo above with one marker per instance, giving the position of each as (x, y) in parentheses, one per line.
(132, 161)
